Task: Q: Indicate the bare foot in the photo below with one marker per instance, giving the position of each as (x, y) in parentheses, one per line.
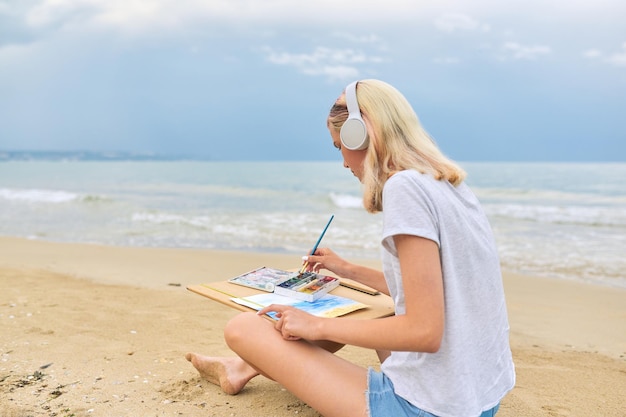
(231, 374)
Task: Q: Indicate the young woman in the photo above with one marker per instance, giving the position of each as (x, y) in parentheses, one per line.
(446, 350)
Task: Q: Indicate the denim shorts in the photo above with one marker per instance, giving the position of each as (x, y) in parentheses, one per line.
(382, 401)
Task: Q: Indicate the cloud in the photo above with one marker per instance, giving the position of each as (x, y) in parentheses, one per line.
(57, 13)
(517, 51)
(592, 53)
(333, 63)
(172, 17)
(453, 22)
(366, 39)
(138, 15)
(619, 58)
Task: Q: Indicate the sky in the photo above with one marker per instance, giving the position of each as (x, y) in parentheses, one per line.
(533, 80)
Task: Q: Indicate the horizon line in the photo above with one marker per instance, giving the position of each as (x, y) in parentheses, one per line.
(138, 156)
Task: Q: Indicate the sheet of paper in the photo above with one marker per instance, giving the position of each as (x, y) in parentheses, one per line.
(328, 306)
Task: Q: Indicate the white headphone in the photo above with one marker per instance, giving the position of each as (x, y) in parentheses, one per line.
(353, 133)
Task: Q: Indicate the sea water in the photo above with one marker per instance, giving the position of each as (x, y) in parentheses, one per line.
(549, 219)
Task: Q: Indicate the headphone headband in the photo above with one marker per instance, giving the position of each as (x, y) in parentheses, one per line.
(353, 133)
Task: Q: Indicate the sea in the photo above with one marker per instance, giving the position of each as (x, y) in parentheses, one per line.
(559, 220)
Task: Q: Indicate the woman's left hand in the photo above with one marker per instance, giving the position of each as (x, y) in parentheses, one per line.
(292, 323)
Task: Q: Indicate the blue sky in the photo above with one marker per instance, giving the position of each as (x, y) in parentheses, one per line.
(533, 80)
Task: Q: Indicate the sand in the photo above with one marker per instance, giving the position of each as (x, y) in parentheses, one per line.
(90, 330)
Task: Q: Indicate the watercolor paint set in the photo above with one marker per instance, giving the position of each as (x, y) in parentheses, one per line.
(307, 286)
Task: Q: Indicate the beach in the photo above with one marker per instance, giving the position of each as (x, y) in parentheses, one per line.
(93, 330)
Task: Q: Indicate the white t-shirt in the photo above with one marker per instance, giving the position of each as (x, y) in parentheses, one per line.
(473, 369)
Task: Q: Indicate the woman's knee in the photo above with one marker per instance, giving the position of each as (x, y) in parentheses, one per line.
(240, 328)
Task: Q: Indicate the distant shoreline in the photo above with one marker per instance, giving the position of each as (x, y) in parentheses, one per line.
(94, 156)
(86, 155)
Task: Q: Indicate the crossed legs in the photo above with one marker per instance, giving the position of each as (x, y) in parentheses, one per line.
(328, 383)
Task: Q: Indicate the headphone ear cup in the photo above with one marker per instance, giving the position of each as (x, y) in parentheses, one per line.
(353, 134)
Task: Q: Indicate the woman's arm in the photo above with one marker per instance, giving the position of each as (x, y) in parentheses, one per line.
(420, 329)
(324, 258)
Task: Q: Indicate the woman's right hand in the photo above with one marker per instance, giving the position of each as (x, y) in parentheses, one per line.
(324, 258)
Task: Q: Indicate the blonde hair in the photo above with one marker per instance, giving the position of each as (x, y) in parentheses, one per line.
(397, 141)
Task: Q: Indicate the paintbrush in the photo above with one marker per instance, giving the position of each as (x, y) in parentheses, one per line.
(317, 243)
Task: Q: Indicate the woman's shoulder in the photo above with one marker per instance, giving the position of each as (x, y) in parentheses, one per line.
(411, 181)
(410, 176)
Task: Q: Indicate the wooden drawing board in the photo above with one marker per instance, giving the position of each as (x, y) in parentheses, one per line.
(380, 305)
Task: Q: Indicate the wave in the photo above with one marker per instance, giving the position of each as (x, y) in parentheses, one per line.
(346, 201)
(166, 218)
(44, 196)
(38, 196)
(570, 214)
(529, 195)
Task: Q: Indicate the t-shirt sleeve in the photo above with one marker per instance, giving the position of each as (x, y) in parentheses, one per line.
(408, 209)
